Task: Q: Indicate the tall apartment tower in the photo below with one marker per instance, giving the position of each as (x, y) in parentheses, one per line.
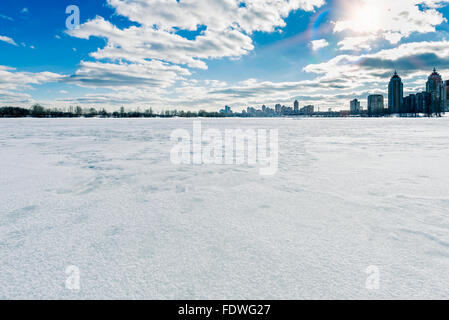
(355, 106)
(445, 96)
(296, 106)
(434, 86)
(395, 94)
(376, 104)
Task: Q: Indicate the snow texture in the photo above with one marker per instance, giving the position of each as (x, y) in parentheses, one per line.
(102, 195)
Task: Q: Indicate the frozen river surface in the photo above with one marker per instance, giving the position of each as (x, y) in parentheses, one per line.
(350, 196)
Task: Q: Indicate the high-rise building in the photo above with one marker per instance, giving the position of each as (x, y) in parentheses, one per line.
(226, 110)
(355, 106)
(410, 104)
(296, 106)
(413, 104)
(445, 96)
(395, 93)
(278, 108)
(433, 86)
(307, 110)
(423, 102)
(376, 104)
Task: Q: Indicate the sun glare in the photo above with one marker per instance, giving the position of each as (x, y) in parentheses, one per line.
(362, 18)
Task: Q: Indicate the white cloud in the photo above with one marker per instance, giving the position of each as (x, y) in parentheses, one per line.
(255, 15)
(225, 33)
(8, 98)
(356, 43)
(13, 83)
(369, 72)
(116, 76)
(13, 80)
(369, 20)
(8, 40)
(319, 44)
(6, 17)
(138, 44)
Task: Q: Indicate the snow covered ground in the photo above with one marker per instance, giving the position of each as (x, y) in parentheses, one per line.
(102, 195)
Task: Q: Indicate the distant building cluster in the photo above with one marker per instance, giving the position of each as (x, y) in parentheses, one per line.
(434, 100)
(226, 110)
(279, 110)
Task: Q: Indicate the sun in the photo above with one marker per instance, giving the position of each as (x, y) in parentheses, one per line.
(360, 17)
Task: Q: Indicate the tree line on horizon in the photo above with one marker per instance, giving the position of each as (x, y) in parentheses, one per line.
(38, 111)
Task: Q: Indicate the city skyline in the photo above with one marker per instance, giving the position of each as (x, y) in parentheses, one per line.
(432, 99)
(322, 53)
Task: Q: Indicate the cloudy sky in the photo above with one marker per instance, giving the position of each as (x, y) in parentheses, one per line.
(192, 54)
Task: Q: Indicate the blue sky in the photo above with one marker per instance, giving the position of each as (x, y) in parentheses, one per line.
(205, 54)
